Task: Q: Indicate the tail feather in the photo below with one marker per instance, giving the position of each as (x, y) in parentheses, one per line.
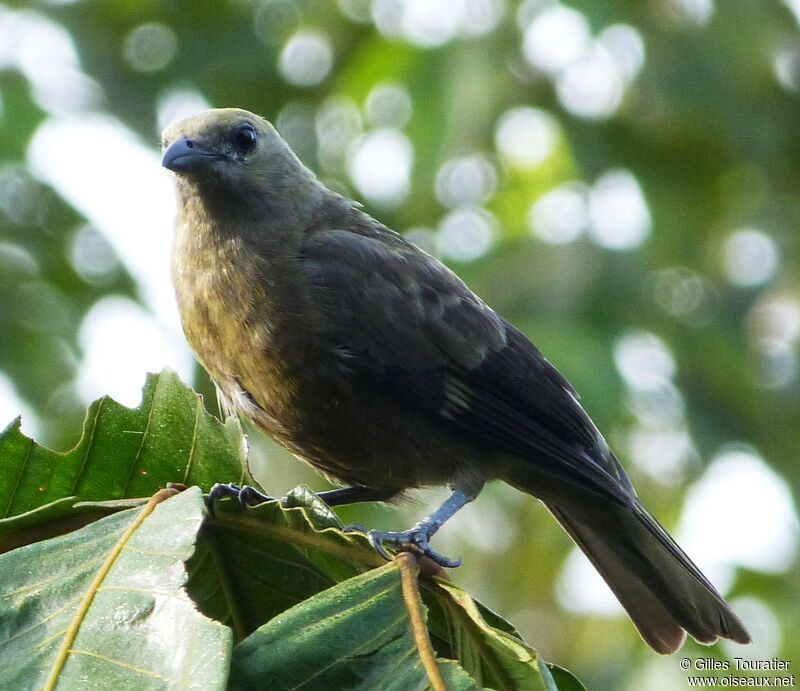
(664, 593)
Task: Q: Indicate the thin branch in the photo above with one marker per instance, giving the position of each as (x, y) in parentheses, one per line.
(409, 570)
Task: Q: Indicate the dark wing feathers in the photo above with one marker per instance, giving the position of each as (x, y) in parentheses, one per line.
(404, 317)
(406, 320)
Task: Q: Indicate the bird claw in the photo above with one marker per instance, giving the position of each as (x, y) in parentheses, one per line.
(409, 541)
(245, 495)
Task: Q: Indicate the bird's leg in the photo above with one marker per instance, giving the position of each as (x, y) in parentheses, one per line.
(250, 496)
(417, 538)
(354, 495)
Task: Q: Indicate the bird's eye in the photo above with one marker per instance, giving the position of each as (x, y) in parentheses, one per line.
(244, 138)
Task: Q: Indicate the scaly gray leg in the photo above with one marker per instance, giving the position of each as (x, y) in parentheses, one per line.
(417, 539)
(250, 496)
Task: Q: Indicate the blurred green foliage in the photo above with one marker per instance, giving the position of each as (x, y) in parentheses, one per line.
(707, 130)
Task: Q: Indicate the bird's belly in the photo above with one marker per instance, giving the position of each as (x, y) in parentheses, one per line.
(366, 436)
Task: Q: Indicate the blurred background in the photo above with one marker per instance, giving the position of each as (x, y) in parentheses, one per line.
(620, 179)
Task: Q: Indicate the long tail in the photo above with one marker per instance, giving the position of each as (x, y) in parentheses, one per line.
(664, 593)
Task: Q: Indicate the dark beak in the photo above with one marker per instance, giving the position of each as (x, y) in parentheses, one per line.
(184, 155)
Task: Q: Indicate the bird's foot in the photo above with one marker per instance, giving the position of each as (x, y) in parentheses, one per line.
(413, 540)
(246, 495)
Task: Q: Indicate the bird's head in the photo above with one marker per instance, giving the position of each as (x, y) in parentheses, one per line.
(233, 152)
(218, 145)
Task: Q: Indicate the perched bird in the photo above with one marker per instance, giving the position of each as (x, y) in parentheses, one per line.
(373, 362)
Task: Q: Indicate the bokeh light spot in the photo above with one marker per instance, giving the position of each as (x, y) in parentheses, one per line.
(661, 453)
(526, 137)
(40, 306)
(776, 317)
(380, 166)
(122, 342)
(776, 363)
(592, 86)
(45, 53)
(620, 219)
(356, 10)
(92, 256)
(337, 125)
(178, 103)
(556, 38)
(387, 16)
(276, 19)
(150, 47)
(683, 293)
(16, 262)
(306, 58)
(466, 234)
(750, 257)
(466, 180)
(481, 16)
(296, 123)
(388, 105)
(773, 330)
(18, 194)
(643, 360)
(431, 23)
(582, 590)
(659, 405)
(693, 12)
(625, 45)
(786, 65)
(13, 406)
(724, 523)
(561, 215)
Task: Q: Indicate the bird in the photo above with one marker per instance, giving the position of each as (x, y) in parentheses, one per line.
(374, 363)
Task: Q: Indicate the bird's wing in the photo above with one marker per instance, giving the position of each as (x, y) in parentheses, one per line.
(403, 317)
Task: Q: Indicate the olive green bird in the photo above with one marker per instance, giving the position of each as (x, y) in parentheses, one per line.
(373, 362)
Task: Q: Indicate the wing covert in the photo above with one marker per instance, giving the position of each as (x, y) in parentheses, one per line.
(397, 314)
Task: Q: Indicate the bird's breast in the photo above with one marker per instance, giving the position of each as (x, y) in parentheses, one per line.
(239, 315)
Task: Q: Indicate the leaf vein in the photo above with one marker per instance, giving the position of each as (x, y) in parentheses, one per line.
(58, 577)
(89, 444)
(28, 455)
(142, 441)
(39, 623)
(86, 602)
(119, 663)
(355, 651)
(190, 459)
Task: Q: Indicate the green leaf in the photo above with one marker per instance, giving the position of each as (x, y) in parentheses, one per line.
(253, 568)
(107, 603)
(124, 452)
(54, 519)
(355, 635)
(563, 679)
(493, 657)
(253, 565)
(257, 567)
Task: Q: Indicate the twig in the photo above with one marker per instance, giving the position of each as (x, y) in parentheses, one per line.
(409, 570)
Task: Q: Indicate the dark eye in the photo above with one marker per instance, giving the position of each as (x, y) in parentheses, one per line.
(244, 138)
